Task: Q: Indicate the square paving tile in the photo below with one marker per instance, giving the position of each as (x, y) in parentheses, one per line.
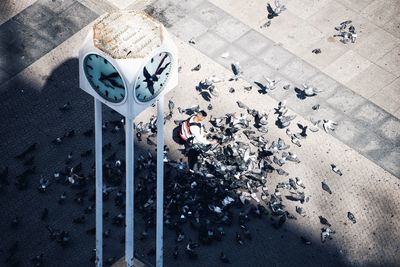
(61, 27)
(56, 6)
(387, 103)
(276, 56)
(253, 42)
(209, 14)
(381, 11)
(35, 15)
(356, 5)
(347, 66)
(391, 61)
(391, 129)
(188, 5)
(347, 131)
(345, 100)
(235, 55)
(306, 8)
(370, 114)
(324, 83)
(4, 76)
(210, 44)
(188, 28)
(393, 26)
(255, 70)
(371, 81)
(299, 71)
(375, 44)
(230, 28)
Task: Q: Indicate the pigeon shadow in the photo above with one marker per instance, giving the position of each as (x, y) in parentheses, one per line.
(206, 96)
(262, 88)
(300, 93)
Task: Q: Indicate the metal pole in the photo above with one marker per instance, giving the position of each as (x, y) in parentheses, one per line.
(130, 190)
(99, 182)
(160, 182)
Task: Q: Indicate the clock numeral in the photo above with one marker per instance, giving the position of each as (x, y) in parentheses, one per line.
(106, 93)
(161, 84)
(97, 56)
(97, 87)
(152, 60)
(90, 67)
(115, 98)
(91, 76)
(122, 95)
(167, 73)
(90, 58)
(105, 61)
(137, 86)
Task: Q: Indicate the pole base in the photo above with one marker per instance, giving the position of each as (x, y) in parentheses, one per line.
(121, 263)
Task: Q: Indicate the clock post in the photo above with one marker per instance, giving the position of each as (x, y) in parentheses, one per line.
(128, 62)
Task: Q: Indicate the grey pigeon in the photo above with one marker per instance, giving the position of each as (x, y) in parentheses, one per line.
(351, 217)
(325, 187)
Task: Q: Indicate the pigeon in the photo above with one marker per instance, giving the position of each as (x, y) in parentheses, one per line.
(329, 125)
(192, 41)
(316, 51)
(300, 211)
(336, 170)
(314, 127)
(305, 240)
(66, 106)
(237, 71)
(299, 182)
(197, 68)
(310, 90)
(325, 233)
(171, 106)
(351, 217)
(324, 221)
(271, 12)
(223, 258)
(271, 84)
(326, 187)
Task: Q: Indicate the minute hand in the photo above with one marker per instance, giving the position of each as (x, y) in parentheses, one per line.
(159, 69)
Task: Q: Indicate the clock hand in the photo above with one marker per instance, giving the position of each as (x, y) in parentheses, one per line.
(146, 74)
(163, 68)
(159, 65)
(116, 84)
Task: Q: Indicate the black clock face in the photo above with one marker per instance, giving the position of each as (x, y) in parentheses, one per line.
(153, 77)
(104, 78)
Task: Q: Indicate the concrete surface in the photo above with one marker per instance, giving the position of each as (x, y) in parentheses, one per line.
(365, 145)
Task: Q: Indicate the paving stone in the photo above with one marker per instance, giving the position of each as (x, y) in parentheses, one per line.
(210, 44)
(276, 56)
(188, 28)
(173, 14)
(393, 26)
(371, 81)
(391, 160)
(188, 5)
(209, 14)
(370, 114)
(4, 76)
(391, 61)
(56, 6)
(345, 100)
(23, 48)
(391, 129)
(381, 11)
(324, 83)
(299, 71)
(387, 103)
(230, 28)
(347, 66)
(35, 15)
(347, 132)
(253, 42)
(235, 55)
(305, 8)
(61, 27)
(356, 5)
(255, 70)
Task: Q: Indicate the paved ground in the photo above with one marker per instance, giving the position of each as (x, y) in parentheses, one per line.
(38, 74)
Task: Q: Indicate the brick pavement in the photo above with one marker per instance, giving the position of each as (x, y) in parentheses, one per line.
(367, 190)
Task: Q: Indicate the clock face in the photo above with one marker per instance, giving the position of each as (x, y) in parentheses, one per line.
(153, 77)
(104, 78)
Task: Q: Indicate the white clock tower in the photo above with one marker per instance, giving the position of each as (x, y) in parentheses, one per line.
(128, 61)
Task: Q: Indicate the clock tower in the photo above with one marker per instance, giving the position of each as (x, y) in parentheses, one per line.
(128, 62)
